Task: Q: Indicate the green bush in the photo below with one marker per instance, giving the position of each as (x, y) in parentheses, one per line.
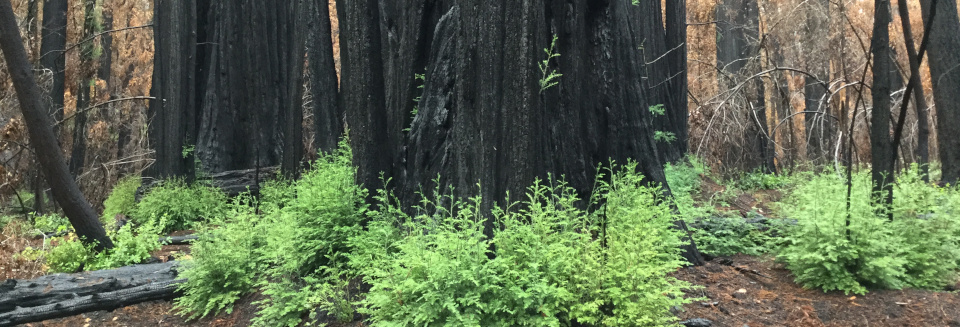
(725, 236)
(546, 268)
(67, 254)
(684, 178)
(51, 223)
(121, 200)
(307, 236)
(180, 204)
(919, 248)
(223, 264)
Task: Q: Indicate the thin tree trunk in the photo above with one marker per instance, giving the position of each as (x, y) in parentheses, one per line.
(65, 190)
(53, 42)
(920, 102)
(87, 86)
(880, 143)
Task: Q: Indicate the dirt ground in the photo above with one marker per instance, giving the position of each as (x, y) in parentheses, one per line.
(751, 291)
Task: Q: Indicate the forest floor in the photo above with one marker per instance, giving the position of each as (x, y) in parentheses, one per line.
(740, 291)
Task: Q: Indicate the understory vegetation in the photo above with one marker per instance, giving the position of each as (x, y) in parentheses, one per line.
(316, 251)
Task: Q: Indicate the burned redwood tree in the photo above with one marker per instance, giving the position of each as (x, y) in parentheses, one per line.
(228, 86)
(738, 53)
(482, 116)
(945, 74)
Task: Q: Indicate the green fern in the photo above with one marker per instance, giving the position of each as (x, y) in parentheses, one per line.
(549, 77)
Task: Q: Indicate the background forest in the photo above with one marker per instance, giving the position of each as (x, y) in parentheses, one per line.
(468, 162)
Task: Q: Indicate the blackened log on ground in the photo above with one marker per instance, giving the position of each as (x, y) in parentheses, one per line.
(179, 240)
(231, 182)
(60, 295)
(234, 182)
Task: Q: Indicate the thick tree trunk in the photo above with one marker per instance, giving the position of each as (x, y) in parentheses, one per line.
(173, 112)
(945, 74)
(819, 127)
(362, 84)
(251, 114)
(738, 31)
(880, 141)
(327, 115)
(228, 86)
(482, 117)
(65, 190)
(53, 42)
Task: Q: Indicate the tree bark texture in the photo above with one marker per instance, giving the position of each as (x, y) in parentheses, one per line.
(173, 113)
(328, 117)
(61, 295)
(53, 42)
(251, 112)
(738, 35)
(39, 128)
(482, 117)
(880, 141)
(945, 74)
(228, 86)
(817, 122)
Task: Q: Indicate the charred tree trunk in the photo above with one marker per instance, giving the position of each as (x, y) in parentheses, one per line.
(944, 71)
(881, 147)
(173, 113)
(482, 117)
(920, 102)
(53, 42)
(738, 34)
(228, 86)
(32, 20)
(817, 124)
(362, 84)
(251, 113)
(677, 111)
(664, 73)
(89, 52)
(106, 58)
(39, 127)
(327, 115)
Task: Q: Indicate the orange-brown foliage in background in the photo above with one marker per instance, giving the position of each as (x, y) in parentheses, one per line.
(849, 31)
(131, 72)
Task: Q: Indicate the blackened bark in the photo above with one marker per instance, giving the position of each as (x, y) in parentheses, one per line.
(252, 103)
(738, 34)
(53, 42)
(945, 74)
(362, 90)
(677, 111)
(87, 86)
(920, 101)
(327, 115)
(32, 20)
(173, 114)
(39, 127)
(817, 124)
(482, 118)
(880, 142)
(106, 57)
